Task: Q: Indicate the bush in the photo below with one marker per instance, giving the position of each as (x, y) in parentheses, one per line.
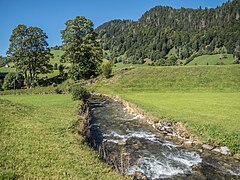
(61, 70)
(1, 84)
(79, 93)
(54, 84)
(58, 90)
(236, 61)
(107, 69)
(13, 81)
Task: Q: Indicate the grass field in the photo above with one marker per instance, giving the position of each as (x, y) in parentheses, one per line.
(6, 70)
(211, 60)
(205, 98)
(56, 56)
(180, 79)
(38, 140)
(120, 65)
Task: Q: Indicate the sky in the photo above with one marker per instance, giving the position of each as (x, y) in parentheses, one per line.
(50, 15)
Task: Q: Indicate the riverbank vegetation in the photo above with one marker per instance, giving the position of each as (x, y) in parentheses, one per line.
(39, 140)
(204, 98)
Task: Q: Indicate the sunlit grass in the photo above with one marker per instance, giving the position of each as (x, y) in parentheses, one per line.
(6, 70)
(211, 60)
(38, 140)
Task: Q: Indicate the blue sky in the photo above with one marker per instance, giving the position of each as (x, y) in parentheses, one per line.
(50, 15)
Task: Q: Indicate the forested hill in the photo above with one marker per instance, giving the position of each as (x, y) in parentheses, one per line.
(164, 34)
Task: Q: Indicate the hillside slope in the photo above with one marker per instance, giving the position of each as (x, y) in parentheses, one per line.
(162, 28)
(184, 79)
(211, 60)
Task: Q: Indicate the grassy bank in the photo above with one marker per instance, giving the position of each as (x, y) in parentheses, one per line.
(205, 98)
(179, 79)
(38, 140)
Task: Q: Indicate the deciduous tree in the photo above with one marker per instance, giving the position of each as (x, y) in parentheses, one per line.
(30, 50)
(81, 48)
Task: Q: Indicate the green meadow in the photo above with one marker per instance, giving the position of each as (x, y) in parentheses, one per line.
(56, 59)
(56, 56)
(211, 60)
(39, 139)
(205, 98)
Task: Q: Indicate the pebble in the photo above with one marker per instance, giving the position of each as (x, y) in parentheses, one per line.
(216, 150)
(139, 176)
(224, 150)
(207, 146)
(188, 143)
(122, 143)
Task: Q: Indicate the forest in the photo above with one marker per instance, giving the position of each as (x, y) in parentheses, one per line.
(189, 33)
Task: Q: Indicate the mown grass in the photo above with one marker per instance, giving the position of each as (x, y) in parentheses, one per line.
(38, 140)
(205, 98)
(211, 60)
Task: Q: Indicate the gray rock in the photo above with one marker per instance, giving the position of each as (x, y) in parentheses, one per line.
(207, 146)
(169, 130)
(188, 143)
(216, 150)
(224, 150)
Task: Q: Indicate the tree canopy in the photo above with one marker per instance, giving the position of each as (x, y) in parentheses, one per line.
(81, 48)
(30, 52)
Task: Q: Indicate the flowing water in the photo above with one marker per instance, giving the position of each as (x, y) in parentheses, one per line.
(134, 147)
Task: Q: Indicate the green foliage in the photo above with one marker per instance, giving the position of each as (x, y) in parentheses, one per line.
(107, 69)
(81, 48)
(1, 84)
(163, 28)
(5, 60)
(55, 66)
(79, 93)
(171, 61)
(13, 81)
(236, 54)
(236, 61)
(61, 70)
(28, 46)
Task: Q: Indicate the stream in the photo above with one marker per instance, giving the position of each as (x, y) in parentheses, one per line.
(131, 145)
